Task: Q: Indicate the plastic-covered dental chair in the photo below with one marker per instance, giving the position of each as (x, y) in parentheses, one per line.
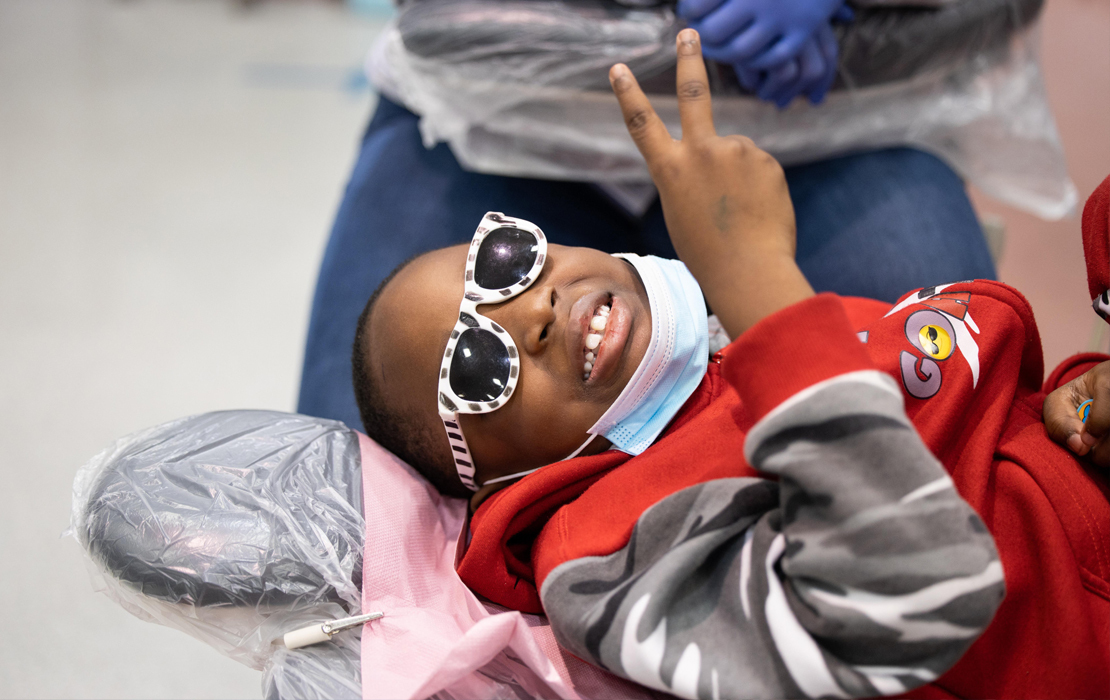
(236, 508)
(237, 527)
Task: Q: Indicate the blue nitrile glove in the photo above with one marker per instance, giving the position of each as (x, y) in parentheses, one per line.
(760, 34)
(811, 74)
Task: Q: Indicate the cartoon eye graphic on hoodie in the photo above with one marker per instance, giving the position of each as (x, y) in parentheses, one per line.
(935, 341)
(936, 332)
(931, 333)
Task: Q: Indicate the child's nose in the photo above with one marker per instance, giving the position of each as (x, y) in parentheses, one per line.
(529, 318)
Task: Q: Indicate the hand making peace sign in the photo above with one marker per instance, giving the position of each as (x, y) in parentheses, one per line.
(725, 201)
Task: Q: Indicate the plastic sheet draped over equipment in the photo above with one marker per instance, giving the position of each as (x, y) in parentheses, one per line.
(239, 526)
(234, 527)
(519, 87)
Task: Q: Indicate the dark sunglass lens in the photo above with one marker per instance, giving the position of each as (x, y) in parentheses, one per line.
(479, 366)
(504, 258)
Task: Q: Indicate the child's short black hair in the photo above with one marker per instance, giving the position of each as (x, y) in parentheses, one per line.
(406, 436)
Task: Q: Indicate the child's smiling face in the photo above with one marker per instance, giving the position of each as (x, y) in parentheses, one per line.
(556, 400)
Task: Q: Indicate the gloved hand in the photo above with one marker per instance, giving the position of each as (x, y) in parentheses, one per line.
(779, 48)
(811, 73)
(758, 33)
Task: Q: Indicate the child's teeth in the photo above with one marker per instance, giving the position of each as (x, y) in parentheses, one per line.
(593, 339)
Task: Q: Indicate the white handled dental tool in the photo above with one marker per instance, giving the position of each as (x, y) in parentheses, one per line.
(323, 631)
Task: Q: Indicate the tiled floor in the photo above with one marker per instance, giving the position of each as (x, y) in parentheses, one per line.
(168, 173)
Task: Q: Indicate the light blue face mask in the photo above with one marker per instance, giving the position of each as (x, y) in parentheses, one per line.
(671, 369)
(674, 363)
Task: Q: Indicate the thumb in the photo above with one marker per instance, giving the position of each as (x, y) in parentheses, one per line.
(1062, 422)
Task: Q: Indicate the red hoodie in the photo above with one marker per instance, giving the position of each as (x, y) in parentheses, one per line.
(968, 358)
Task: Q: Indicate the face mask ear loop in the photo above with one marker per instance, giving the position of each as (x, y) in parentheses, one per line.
(509, 477)
(518, 475)
(581, 447)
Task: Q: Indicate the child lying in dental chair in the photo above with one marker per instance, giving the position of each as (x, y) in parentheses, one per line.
(808, 514)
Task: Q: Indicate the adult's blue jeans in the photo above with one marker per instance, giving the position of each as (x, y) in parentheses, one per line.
(874, 224)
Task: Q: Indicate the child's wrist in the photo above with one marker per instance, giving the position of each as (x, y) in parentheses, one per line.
(755, 288)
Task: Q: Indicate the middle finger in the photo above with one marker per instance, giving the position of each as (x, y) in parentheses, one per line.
(695, 109)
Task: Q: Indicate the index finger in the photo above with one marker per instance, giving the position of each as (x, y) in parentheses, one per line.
(695, 108)
(643, 124)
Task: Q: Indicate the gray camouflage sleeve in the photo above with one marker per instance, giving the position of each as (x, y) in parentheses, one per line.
(860, 573)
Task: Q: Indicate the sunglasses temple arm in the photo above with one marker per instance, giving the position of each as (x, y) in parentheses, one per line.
(460, 451)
